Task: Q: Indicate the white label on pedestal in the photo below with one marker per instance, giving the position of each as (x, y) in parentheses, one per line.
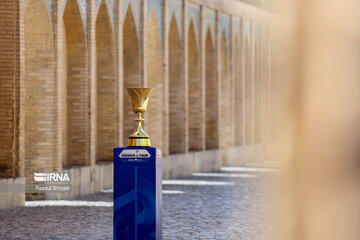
(134, 153)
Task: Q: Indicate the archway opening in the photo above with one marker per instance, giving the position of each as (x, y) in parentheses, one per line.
(196, 137)
(212, 133)
(176, 91)
(40, 138)
(131, 66)
(106, 87)
(76, 86)
(155, 79)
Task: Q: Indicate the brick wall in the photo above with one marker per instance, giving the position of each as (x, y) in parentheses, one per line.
(63, 103)
(265, 94)
(40, 88)
(196, 121)
(176, 92)
(75, 108)
(76, 85)
(239, 102)
(154, 118)
(212, 134)
(9, 81)
(275, 86)
(58, 31)
(165, 42)
(248, 78)
(106, 97)
(225, 95)
(132, 71)
(257, 88)
(91, 68)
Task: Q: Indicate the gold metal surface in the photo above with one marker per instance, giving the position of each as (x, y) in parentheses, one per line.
(139, 99)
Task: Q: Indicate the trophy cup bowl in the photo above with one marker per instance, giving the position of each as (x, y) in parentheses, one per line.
(139, 98)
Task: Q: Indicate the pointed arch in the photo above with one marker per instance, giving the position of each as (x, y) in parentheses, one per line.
(155, 79)
(132, 70)
(238, 107)
(225, 95)
(39, 91)
(195, 93)
(212, 128)
(76, 86)
(248, 74)
(106, 87)
(177, 108)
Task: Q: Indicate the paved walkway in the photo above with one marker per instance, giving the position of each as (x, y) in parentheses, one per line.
(236, 203)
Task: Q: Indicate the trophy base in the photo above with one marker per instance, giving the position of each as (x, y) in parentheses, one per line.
(139, 142)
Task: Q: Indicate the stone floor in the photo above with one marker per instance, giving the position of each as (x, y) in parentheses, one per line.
(235, 203)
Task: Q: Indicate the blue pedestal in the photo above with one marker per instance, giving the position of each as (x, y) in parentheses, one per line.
(137, 193)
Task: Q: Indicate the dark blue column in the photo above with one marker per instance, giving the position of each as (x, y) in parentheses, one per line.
(137, 193)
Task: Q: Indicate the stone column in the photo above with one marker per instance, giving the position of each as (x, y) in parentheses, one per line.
(92, 89)
(11, 74)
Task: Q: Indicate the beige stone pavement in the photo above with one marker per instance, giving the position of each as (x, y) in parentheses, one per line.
(230, 204)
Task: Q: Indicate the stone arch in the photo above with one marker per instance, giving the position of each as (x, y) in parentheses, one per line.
(225, 93)
(40, 144)
(155, 79)
(106, 87)
(212, 133)
(248, 71)
(194, 92)
(238, 107)
(132, 70)
(76, 86)
(257, 92)
(177, 108)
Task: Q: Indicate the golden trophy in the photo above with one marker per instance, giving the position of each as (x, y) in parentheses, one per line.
(139, 99)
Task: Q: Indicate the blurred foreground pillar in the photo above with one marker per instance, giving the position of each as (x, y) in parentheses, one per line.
(326, 116)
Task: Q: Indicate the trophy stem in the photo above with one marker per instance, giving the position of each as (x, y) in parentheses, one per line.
(139, 138)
